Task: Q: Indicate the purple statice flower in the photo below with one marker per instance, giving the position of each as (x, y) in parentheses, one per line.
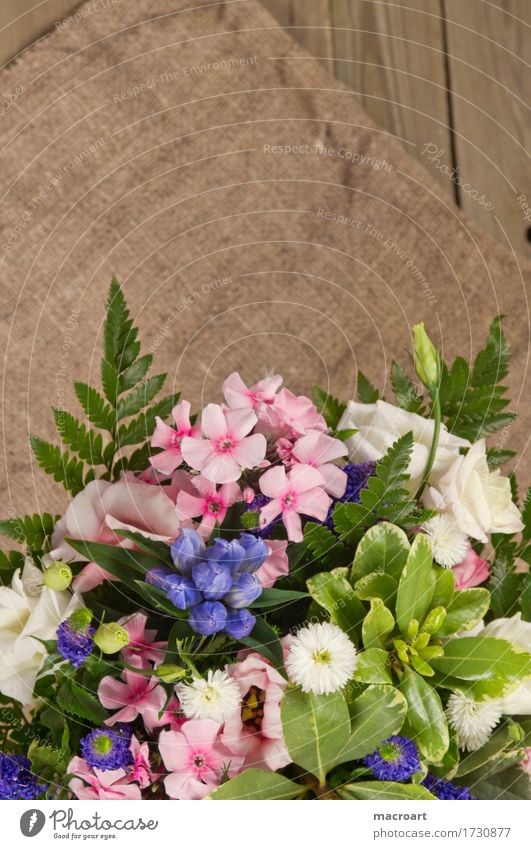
(74, 637)
(182, 592)
(208, 618)
(396, 759)
(239, 623)
(358, 475)
(16, 779)
(187, 550)
(255, 506)
(108, 748)
(446, 790)
(245, 589)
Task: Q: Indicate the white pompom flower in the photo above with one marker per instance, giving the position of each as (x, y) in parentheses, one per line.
(449, 544)
(217, 697)
(321, 659)
(473, 721)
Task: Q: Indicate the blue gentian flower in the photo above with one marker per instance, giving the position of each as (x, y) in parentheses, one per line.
(239, 623)
(208, 618)
(16, 779)
(158, 577)
(182, 592)
(256, 551)
(75, 637)
(446, 790)
(396, 759)
(108, 748)
(245, 589)
(212, 579)
(187, 550)
(228, 552)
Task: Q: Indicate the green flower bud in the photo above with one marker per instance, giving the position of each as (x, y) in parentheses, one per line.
(427, 363)
(402, 650)
(249, 520)
(169, 673)
(412, 629)
(420, 666)
(434, 620)
(430, 652)
(111, 637)
(80, 619)
(58, 576)
(421, 641)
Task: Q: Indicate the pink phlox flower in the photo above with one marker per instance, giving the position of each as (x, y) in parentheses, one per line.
(101, 784)
(292, 415)
(276, 565)
(140, 770)
(226, 448)
(142, 645)
(173, 716)
(209, 503)
(472, 571)
(294, 493)
(135, 695)
(319, 450)
(255, 732)
(238, 395)
(170, 438)
(196, 759)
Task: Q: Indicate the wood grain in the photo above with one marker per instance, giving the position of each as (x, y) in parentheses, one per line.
(489, 75)
(24, 21)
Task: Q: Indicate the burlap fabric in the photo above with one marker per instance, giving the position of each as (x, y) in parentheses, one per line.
(149, 139)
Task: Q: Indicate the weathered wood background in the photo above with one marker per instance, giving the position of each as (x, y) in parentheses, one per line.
(449, 77)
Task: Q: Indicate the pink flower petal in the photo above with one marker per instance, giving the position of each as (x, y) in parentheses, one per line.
(189, 506)
(240, 423)
(166, 461)
(303, 478)
(213, 422)
(274, 482)
(250, 451)
(335, 479)
(221, 468)
(196, 452)
(314, 503)
(292, 522)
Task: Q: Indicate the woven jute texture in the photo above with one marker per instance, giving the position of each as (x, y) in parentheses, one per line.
(256, 217)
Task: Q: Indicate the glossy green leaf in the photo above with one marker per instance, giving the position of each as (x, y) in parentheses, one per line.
(373, 667)
(377, 585)
(264, 639)
(384, 790)
(334, 593)
(417, 583)
(258, 784)
(376, 715)
(425, 715)
(480, 658)
(466, 610)
(497, 743)
(384, 548)
(444, 589)
(377, 625)
(315, 729)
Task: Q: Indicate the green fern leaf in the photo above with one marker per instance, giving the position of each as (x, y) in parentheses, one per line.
(64, 469)
(97, 410)
(140, 396)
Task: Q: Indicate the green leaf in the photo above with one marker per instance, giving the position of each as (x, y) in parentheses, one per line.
(377, 585)
(155, 548)
(498, 456)
(466, 610)
(134, 373)
(444, 589)
(120, 345)
(64, 469)
(276, 598)
(31, 531)
(158, 599)
(315, 729)
(406, 392)
(140, 396)
(96, 408)
(323, 544)
(125, 564)
(526, 516)
(384, 790)
(384, 548)
(492, 363)
(264, 639)
(78, 701)
(377, 625)
(109, 381)
(512, 784)
(330, 408)
(497, 743)
(505, 584)
(425, 715)
(367, 393)
(417, 583)
(334, 593)
(373, 667)
(142, 427)
(482, 658)
(84, 442)
(258, 784)
(377, 714)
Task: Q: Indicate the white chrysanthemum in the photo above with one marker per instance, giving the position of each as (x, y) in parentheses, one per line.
(217, 697)
(321, 658)
(449, 543)
(473, 721)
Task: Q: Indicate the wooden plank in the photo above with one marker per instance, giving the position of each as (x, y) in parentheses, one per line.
(488, 46)
(309, 23)
(394, 56)
(24, 21)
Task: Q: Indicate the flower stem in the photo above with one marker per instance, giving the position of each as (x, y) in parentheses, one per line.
(436, 410)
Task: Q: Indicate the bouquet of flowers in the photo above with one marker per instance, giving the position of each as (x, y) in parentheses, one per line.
(274, 598)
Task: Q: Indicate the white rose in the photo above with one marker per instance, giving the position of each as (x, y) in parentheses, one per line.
(480, 500)
(28, 609)
(518, 633)
(381, 424)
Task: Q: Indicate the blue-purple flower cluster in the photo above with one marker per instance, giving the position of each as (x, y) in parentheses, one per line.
(358, 475)
(396, 759)
(446, 789)
(74, 637)
(16, 779)
(108, 748)
(215, 583)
